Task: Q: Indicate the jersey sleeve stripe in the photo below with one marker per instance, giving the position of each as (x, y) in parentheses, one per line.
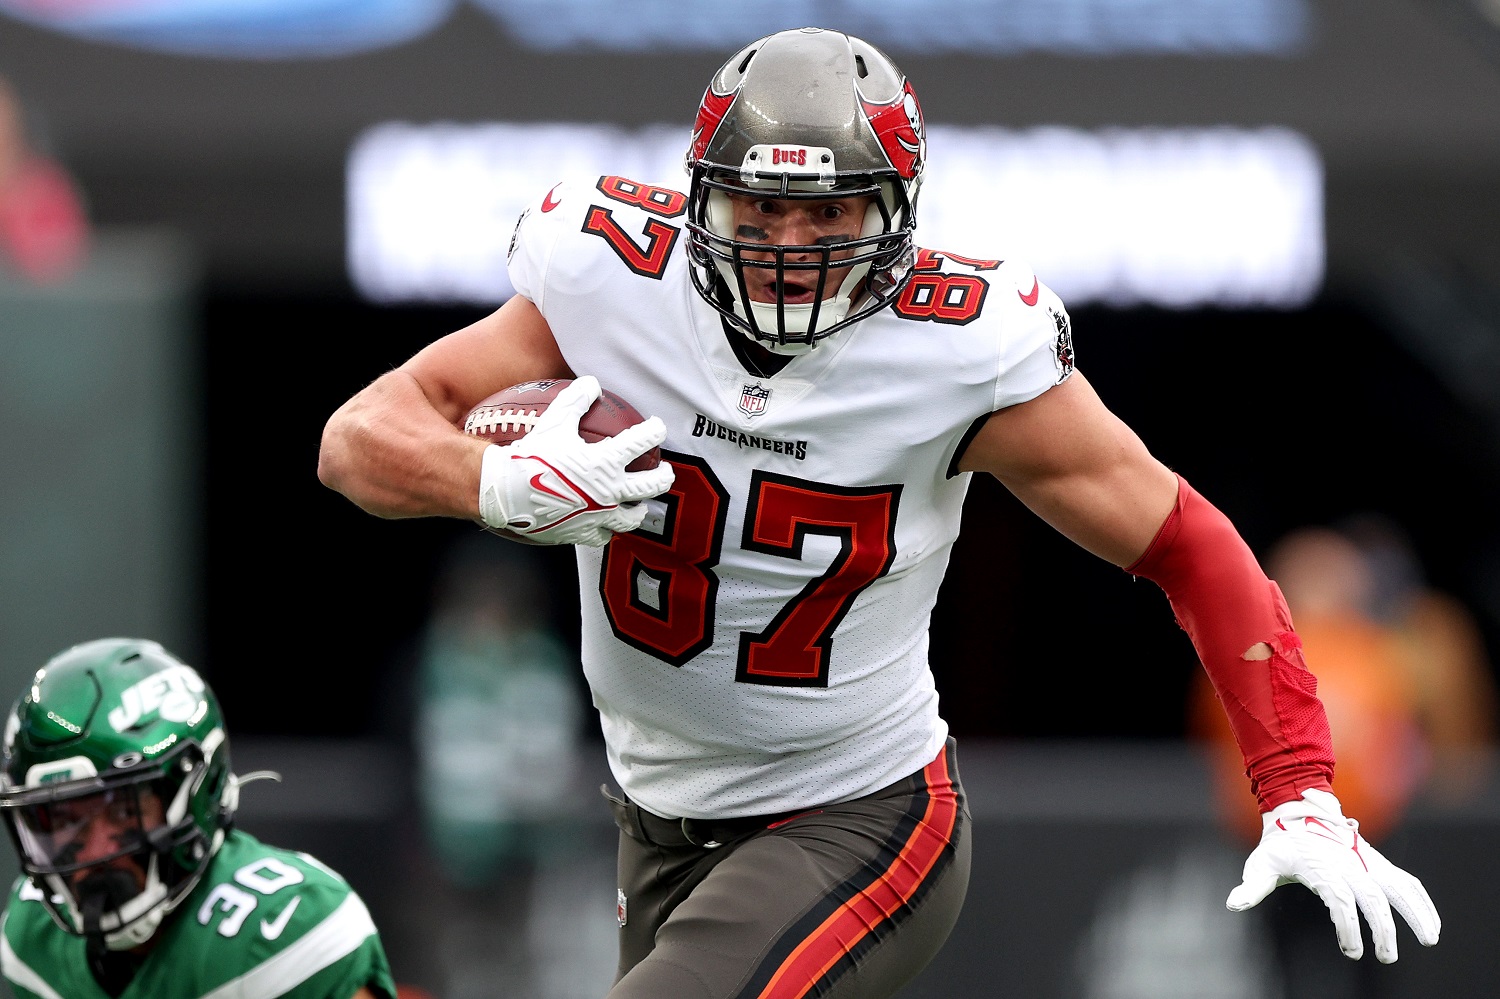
(20, 972)
(330, 941)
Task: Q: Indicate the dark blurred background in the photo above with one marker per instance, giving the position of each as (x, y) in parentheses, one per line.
(163, 401)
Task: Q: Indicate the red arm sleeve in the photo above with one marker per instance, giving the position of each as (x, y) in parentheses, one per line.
(1225, 603)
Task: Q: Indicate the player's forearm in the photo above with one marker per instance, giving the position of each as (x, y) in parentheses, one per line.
(1242, 630)
(393, 455)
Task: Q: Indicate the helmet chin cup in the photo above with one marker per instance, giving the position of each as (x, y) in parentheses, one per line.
(108, 908)
(103, 890)
(802, 325)
(109, 895)
(766, 317)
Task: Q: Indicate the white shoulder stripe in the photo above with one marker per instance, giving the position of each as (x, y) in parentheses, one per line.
(331, 940)
(20, 972)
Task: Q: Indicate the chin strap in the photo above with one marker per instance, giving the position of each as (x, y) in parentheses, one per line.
(93, 908)
(102, 891)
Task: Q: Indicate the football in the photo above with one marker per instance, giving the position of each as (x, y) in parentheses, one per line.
(509, 415)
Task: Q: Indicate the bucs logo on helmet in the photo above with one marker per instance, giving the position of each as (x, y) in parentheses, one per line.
(710, 114)
(899, 128)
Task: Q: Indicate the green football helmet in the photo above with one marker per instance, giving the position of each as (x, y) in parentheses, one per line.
(116, 787)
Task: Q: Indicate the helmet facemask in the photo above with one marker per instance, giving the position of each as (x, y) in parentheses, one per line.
(874, 263)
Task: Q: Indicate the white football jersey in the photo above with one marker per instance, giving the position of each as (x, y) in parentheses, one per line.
(760, 644)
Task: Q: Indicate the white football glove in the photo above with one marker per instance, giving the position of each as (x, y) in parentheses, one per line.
(558, 489)
(1310, 841)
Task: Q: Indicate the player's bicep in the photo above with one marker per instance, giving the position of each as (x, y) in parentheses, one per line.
(1079, 467)
(510, 345)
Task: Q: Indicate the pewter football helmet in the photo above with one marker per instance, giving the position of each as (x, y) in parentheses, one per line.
(116, 750)
(805, 114)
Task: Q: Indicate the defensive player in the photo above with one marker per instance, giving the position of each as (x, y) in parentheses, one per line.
(755, 635)
(118, 794)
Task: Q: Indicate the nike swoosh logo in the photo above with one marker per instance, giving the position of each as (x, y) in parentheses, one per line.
(1031, 297)
(542, 487)
(273, 929)
(1308, 822)
(549, 202)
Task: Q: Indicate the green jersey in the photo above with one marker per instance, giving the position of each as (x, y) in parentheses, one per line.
(263, 922)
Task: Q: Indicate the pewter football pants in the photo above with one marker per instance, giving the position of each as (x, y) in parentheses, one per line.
(848, 901)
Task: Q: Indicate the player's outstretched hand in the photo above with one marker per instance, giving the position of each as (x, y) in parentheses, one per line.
(556, 488)
(1310, 841)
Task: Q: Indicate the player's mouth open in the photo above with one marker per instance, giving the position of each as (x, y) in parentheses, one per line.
(796, 294)
(768, 289)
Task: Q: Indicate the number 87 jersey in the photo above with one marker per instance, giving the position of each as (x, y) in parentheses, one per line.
(760, 643)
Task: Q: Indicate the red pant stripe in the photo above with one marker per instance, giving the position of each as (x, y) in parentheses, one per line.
(851, 922)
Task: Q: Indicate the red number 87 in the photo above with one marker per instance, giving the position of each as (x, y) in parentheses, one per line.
(659, 592)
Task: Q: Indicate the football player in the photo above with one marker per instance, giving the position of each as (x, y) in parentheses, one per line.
(755, 609)
(118, 794)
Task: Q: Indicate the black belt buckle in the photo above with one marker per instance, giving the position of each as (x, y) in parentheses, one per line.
(708, 842)
(655, 830)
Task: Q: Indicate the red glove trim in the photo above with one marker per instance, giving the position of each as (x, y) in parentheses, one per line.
(1223, 600)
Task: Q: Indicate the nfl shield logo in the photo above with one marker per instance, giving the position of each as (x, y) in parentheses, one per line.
(753, 399)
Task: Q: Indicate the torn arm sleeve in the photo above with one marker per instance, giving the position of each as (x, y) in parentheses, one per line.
(1223, 600)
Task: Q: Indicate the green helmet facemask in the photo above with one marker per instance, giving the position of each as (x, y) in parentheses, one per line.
(116, 787)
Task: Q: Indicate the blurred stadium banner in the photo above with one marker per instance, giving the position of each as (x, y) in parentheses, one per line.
(1179, 218)
(265, 29)
(313, 28)
(985, 27)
